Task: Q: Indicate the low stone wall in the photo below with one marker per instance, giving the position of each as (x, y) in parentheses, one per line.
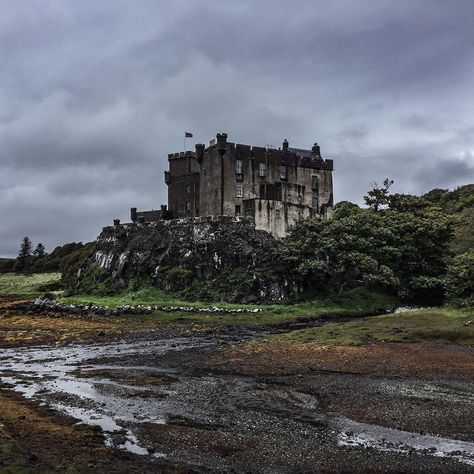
(45, 305)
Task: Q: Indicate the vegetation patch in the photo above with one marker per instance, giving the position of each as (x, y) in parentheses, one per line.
(437, 325)
(358, 302)
(26, 285)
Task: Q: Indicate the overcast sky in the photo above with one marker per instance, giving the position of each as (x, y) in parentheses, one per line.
(94, 94)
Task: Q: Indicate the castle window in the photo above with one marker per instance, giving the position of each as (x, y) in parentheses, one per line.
(277, 213)
(314, 183)
(188, 189)
(315, 202)
(238, 166)
(188, 205)
(283, 172)
(262, 169)
(238, 190)
(238, 211)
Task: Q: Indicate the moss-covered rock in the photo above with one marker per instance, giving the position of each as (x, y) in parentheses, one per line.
(207, 258)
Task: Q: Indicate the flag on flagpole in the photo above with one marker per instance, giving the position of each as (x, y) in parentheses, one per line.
(188, 135)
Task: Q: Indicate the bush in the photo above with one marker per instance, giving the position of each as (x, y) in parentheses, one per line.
(460, 280)
(177, 279)
(94, 281)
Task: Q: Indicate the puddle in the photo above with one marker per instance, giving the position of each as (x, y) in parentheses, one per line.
(352, 433)
(95, 401)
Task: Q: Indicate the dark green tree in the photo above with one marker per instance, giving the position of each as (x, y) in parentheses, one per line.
(460, 280)
(378, 196)
(401, 251)
(23, 261)
(407, 203)
(344, 209)
(39, 251)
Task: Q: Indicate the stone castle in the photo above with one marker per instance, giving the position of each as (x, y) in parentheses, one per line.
(274, 187)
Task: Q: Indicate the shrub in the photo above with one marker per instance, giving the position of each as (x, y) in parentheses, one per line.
(460, 280)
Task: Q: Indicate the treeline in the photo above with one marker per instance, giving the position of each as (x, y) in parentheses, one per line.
(34, 259)
(417, 247)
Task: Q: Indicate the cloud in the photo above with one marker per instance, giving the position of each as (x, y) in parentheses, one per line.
(98, 93)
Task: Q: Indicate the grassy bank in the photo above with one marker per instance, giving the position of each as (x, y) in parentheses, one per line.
(14, 284)
(353, 303)
(438, 325)
(358, 302)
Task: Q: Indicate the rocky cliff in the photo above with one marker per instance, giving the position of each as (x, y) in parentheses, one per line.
(206, 257)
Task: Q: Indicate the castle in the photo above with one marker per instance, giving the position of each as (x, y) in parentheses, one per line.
(273, 187)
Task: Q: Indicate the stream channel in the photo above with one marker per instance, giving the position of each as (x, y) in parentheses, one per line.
(76, 380)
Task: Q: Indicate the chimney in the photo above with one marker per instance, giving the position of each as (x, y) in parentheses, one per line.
(316, 150)
(221, 142)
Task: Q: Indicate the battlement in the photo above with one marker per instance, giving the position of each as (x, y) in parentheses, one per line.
(181, 154)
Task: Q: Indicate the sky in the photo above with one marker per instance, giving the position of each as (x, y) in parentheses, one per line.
(94, 94)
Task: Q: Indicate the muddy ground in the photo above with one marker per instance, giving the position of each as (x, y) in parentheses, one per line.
(96, 394)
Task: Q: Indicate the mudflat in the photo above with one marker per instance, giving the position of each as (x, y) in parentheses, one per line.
(101, 394)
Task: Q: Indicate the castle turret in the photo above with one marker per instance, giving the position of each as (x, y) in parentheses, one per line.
(199, 152)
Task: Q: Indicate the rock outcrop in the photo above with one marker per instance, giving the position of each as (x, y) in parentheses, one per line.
(206, 257)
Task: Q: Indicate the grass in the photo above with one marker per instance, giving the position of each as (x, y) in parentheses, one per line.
(438, 325)
(354, 303)
(357, 302)
(15, 284)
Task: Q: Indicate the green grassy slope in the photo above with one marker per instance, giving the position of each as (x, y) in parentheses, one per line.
(439, 325)
(13, 284)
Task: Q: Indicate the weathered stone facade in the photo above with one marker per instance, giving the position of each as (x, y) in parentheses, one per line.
(273, 187)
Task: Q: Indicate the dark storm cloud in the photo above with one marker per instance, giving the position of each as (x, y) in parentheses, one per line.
(94, 95)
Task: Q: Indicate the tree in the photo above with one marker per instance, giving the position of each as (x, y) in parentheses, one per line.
(460, 280)
(407, 203)
(39, 251)
(23, 260)
(378, 196)
(401, 251)
(337, 254)
(344, 209)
